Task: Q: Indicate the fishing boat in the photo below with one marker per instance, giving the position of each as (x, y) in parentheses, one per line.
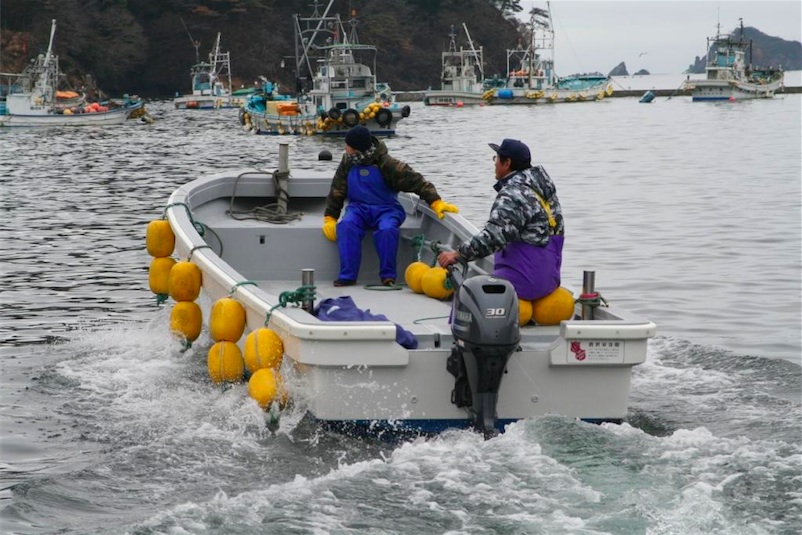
(531, 76)
(462, 75)
(730, 75)
(344, 90)
(211, 82)
(32, 98)
(408, 368)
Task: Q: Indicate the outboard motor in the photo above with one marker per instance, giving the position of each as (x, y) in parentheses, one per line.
(486, 333)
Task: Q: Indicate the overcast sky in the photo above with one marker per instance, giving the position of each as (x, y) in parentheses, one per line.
(662, 37)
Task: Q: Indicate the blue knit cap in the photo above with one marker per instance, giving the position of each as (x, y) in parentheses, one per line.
(359, 138)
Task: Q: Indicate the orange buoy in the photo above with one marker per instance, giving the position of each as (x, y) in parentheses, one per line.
(413, 275)
(263, 349)
(159, 274)
(225, 363)
(524, 311)
(160, 239)
(186, 320)
(185, 281)
(433, 283)
(227, 321)
(263, 386)
(553, 308)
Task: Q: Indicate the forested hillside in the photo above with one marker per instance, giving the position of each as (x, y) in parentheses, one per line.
(144, 46)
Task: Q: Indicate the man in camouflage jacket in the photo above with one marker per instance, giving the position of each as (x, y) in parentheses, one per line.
(525, 229)
(370, 179)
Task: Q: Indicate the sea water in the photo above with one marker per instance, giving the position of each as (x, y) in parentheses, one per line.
(689, 213)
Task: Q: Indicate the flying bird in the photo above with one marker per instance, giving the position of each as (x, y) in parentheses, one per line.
(642, 54)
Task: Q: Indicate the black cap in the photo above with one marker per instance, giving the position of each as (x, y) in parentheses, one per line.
(359, 138)
(513, 149)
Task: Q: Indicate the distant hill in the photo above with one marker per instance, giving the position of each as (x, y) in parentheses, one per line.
(766, 51)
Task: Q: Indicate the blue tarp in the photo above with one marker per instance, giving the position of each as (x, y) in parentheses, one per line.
(344, 309)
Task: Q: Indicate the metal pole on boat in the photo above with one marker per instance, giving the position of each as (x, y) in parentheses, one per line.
(282, 176)
(308, 279)
(588, 289)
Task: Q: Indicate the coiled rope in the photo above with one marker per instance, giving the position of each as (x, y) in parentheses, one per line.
(300, 295)
(276, 212)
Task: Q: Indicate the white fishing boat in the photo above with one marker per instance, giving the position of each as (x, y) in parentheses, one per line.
(531, 77)
(262, 242)
(730, 75)
(32, 98)
(344, 90)
(462, 75)
(211, 82)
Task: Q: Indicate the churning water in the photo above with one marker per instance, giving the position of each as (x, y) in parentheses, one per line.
(688, 212)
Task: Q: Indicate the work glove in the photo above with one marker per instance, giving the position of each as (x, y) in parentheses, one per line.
(330, 228)
(440, 208)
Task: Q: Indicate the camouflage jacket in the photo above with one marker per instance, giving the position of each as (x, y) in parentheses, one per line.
(517, 214)
(398, 176)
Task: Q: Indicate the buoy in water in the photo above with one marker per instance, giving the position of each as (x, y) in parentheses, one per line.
(159, 275)
(263, 386)
(554, 308)
(433, 283)
(186, 320)
(263, 349)
(460, 104)
(184, 281)
(225, 363)
(324, 156)
(732, 98)
(160, 239)
(227, 321)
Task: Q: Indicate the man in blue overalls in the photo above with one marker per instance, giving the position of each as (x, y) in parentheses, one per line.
(370, 179)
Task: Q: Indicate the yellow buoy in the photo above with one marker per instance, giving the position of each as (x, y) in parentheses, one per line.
(263, 386)
(227, 321)
(186, 319)
(160, 239)
(524, 311)
(413, 275)
(184, 281)
(554, 308)
(433, 283)
(263, 349)
(225, 363)
(159, 274)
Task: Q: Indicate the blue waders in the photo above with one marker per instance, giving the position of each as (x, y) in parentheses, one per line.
(372, 205)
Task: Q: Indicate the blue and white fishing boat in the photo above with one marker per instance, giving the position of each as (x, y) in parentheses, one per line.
(344, 90)
(462, 76)
(730, 74)
(211, 82)
(531, 77)
(410, 370)
(32, 98)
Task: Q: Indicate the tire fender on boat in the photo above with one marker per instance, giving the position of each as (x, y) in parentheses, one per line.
(335, 113)
(384, 117)
(350, 117)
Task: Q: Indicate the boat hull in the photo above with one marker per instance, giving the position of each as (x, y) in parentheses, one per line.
(355, 375)
(706, 90)
(450, 99)
(111, 117)
(548, 95)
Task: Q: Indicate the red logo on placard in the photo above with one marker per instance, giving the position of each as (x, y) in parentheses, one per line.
(576, 349)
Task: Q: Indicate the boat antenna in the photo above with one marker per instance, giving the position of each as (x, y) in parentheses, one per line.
(473, 51)
(195, 43)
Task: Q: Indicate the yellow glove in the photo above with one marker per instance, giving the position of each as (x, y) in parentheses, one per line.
(440, 208)
(330, 228)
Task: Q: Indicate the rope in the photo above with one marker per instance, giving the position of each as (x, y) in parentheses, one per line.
(383, 287)
(302, 294)
(241, 283)
(161, 299)
(204, 246)
(430, 318)
(594, 299)
(275, 213)
(199, 227)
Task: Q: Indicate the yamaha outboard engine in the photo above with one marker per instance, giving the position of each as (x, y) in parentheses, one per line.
(486, 333)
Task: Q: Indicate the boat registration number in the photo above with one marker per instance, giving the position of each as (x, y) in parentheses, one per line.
(596, 351)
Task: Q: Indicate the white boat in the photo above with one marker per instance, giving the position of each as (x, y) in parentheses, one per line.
(33, 99)
(344, 90)
(211, 83)
(462, 75)
(730, 75)
(531, 77)
(355, 375)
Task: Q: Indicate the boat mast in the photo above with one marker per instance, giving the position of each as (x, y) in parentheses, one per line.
(301, 47)
(475, 55)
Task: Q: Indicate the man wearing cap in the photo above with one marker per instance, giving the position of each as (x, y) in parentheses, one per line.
(370, 179)
(525, 229)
